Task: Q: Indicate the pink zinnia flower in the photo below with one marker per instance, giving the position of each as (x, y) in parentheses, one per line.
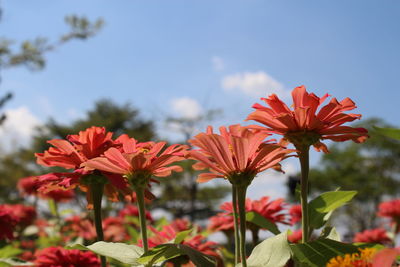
(238, 150)
(60, 257)
(377, 235)
(305, 121)
(135, 159)
(72, 153)
(295, 214)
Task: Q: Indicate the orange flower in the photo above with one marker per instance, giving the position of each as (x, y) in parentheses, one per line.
(237, 151)
(366, 257)
(74, 151)
(134, 160)
(304, 123)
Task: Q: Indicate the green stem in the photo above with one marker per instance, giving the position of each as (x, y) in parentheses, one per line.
(236, 224)
(142, 217)
(305, 166)
(241, 196)
(97, 194)
(54, 209)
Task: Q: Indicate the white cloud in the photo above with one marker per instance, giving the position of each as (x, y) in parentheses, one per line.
(18, 128)
(218, 63)
(186, 107)
(254, 84)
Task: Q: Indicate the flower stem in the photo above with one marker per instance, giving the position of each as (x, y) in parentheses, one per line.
(305, 166)
(241, 196)
(97, 194)
(236, 224)
(142, 217)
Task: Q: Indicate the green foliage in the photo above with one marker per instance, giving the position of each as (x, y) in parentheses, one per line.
(371, 168)
(262, 222)
(272, 252)
(317, 253)
(389, 132)
(119, 251)
(321, 207)
(164, 252)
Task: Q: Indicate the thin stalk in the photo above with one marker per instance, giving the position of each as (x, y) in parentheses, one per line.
(97, 194)
(236, 224)
(305, 166)
(241, 196)
(142, 217)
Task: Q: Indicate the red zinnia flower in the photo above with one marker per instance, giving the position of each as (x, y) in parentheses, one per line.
(237, 151)
(305, 122)
(390, 209)
(139, 159)
(295, 237)
(271, 210)
(114, 230)
(72, 153)
(25, 215)
(30, 186)
(295, 214)
(77, 226)
(377, 235)
(60, 257)
(133, 211)
(8, 222)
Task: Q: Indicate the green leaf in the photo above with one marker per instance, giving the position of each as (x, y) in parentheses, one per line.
(272, 252)
(262, 222)
(317, 253)
(14, 262)
(165, 252)
(389, 132)
(119, 251)
(9, 251)
(181, 236)
(330, 233)
(321, 208)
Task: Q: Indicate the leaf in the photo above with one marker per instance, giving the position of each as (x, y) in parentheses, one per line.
(259, 220)
(165, 252)
(14, 262)
(389, 132)
(9, 251)
(321, 208)
(272, 252)
(181, 236)
(330, 233)
(317, 253)
(119, 251)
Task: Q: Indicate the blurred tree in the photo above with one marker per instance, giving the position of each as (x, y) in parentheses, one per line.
(371, 168)
(31, 53)
(189, 198)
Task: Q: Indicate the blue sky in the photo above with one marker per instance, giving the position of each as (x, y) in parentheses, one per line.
(184, 57)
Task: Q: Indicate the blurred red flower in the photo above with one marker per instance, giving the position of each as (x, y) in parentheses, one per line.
(77, 226)
(114, 230)
(273, 210)
(377, 235)
(133, 211)
(295, 214)
(391, 209)
(305, 122)
(25, 215)
(29, 186)
(237, 150)
(8, 221)
(72, 153)
(60, 257)
(295, 237)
